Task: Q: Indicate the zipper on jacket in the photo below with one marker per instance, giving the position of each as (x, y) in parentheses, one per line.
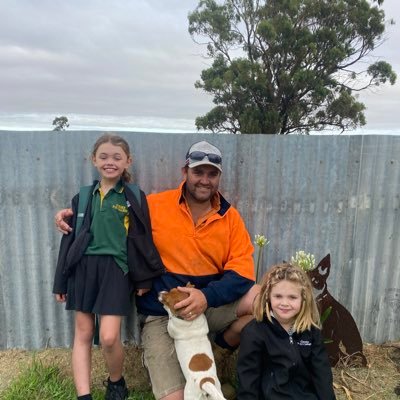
(290, 333)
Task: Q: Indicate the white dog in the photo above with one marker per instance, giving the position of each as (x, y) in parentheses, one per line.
(193, 349)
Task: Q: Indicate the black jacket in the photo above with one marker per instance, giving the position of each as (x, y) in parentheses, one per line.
(144, 262)
(272, 367)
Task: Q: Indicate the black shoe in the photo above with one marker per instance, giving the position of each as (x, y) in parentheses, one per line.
(115, 392)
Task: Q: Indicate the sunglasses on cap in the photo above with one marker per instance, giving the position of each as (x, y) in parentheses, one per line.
(200, 155)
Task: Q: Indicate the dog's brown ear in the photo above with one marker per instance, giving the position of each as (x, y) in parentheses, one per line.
(189, 285)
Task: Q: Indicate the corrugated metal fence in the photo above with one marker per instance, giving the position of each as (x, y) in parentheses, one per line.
(322, 194)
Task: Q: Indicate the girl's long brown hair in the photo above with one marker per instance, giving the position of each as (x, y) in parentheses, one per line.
(308, 315)
(116, 141)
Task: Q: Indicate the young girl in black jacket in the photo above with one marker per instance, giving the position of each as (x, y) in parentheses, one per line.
(281, 354)
(106, 257)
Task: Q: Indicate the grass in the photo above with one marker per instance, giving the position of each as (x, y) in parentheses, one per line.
(46, 375)
(47, 382)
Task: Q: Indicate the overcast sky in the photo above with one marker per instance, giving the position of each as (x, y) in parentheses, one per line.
(125, 64)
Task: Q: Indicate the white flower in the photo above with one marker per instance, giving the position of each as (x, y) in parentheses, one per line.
(260, 240)
(305, 261)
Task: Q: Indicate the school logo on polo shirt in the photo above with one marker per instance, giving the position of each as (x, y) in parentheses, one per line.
(120, 208)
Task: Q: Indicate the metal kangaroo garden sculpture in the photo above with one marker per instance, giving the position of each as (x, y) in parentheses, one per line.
(342, 337)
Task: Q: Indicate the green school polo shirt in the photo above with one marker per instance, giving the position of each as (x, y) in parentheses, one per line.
(110, 219)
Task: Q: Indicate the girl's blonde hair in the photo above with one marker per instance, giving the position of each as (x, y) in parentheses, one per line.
(116, 141)
(308, 315)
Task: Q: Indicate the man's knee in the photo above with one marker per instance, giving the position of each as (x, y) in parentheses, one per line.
(245, 306)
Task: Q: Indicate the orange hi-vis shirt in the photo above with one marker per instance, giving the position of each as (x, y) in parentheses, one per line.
(216, 254)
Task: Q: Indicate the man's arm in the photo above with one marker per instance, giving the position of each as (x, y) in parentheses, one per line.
(62, 219)
(238, 275)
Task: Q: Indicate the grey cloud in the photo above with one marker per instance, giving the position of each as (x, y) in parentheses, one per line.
(118, 57)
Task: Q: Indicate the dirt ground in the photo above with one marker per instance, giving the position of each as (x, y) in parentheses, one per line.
(379, 380)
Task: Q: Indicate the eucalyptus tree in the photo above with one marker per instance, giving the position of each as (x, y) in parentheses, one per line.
(283, 66)
(60, 123)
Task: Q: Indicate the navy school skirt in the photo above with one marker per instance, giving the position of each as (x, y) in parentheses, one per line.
(99, 286)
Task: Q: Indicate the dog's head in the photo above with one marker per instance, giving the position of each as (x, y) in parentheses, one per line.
(174, 296)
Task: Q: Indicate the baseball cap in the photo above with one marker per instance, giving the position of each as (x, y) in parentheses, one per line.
(203, 153)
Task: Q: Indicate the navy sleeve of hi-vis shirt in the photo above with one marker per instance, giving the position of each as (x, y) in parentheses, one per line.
(228, 289)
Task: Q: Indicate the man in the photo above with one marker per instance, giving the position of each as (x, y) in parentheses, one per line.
(201, 239)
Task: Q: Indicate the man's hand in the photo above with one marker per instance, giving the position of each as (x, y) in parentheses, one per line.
(60, 218)
(192, 306)
(61, 298)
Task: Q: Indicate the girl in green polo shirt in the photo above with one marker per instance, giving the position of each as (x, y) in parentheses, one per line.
(95, 274)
